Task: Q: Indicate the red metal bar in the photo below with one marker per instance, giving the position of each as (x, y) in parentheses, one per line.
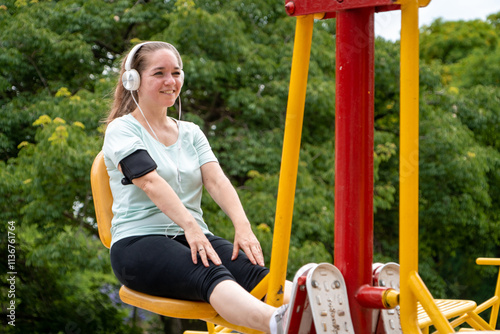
(377, 297)
(354, 129)
(305, 7)
(300, 305)
(387, 8)
(378, 9)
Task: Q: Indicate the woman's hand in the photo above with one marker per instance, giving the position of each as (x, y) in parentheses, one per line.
(224, 194)
(199, 243)
(246, 240)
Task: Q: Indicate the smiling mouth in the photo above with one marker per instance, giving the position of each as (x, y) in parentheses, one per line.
(167, 91)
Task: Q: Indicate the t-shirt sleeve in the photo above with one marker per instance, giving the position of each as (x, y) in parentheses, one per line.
(202, 146)
(120, 141)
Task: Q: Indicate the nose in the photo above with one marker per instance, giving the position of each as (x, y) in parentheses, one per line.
(170, 80)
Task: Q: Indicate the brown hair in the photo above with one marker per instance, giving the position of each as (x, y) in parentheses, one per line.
(123, 103)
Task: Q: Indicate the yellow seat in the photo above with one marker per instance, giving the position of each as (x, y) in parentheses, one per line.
(450, 308)
(467, 311)
(169, 307)
(174, 308)
(436, 312)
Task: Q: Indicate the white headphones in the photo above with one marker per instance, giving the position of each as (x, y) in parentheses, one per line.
(131, 79)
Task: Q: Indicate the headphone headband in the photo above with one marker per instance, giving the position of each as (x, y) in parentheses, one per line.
(131, 54)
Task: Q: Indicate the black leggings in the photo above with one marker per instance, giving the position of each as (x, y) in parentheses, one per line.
(160, 266)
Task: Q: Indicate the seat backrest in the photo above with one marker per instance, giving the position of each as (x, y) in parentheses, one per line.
(103, 199)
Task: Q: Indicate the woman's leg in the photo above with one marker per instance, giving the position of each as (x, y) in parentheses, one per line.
(146, 264)
(231, 299)
(160, 266)
(248, 275)
(237, 306)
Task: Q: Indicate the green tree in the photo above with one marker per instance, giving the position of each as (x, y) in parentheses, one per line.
(451, 41)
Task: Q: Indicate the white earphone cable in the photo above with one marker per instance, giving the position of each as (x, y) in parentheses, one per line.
(137, 104)
(180, 108)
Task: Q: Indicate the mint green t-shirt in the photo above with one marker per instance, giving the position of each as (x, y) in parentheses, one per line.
(179, 164)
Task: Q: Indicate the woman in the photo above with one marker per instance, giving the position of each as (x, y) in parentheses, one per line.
(157, 167)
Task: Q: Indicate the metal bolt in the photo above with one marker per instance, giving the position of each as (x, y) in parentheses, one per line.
(290, 7)
(315, 284)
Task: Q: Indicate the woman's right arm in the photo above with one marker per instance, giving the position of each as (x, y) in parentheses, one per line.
(165, 198)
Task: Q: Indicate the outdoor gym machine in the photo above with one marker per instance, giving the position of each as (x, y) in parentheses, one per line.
(354, 128)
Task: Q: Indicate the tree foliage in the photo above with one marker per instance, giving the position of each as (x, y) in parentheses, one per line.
(58, 66)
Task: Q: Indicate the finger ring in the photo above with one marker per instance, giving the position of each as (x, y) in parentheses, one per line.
(199, 250)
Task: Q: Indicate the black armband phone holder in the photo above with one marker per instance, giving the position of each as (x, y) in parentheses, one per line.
(136, 165)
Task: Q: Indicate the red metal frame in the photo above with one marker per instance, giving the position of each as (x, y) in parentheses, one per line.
(300, 300)
(354, 130)
(305, 7)
(372, 297)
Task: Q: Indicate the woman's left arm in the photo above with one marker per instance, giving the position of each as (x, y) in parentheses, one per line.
(224, 194)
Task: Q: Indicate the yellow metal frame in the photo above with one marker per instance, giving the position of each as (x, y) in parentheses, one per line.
(473, 318)
(290, 158)
(408, 169)
(493, 302)
(413, 289)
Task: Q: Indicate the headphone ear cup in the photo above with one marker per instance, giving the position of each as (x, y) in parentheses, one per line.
(182, 76)
(131, 80)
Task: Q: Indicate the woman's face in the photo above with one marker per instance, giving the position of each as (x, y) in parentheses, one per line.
(161, 80)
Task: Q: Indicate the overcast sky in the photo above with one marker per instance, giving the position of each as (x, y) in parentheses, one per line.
(388, 24)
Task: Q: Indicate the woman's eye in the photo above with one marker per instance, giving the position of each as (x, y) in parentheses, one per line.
(176, 74)
(158, 73)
